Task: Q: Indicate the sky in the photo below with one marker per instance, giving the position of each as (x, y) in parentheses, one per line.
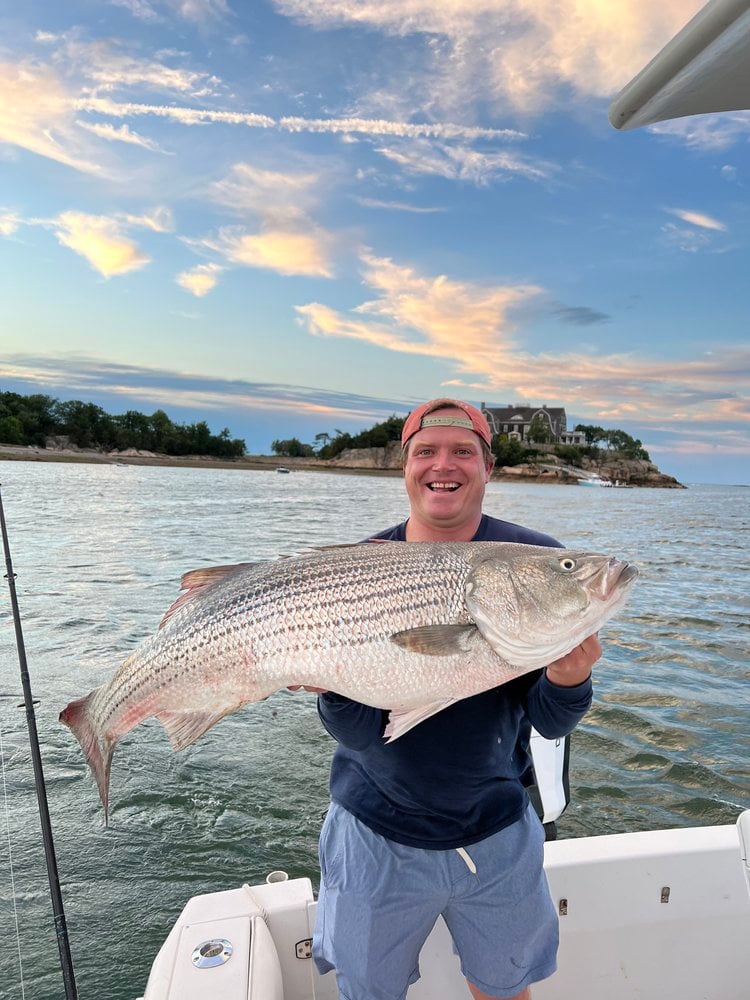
(294, 217)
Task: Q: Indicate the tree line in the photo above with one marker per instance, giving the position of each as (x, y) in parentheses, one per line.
(600, 443)
(329, 446)
(31, 420)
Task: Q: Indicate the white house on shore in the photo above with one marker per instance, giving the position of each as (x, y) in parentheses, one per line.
(514, 422)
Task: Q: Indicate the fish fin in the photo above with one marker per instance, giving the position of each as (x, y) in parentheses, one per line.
(195, 581)
(77, 717)
(436, 640)
(204, 576)
(401, 722)
(184, 728)
(351, 545)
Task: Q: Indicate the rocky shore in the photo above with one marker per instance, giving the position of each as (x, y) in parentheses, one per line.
(548, 468)
(365, 461)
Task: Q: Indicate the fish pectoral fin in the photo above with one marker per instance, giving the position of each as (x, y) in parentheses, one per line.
(436, 640)
(184, 728)
(401, 722)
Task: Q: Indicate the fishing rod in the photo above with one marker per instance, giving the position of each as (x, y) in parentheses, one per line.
(58, 911)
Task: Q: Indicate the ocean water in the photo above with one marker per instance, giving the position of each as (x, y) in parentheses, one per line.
(99, 551)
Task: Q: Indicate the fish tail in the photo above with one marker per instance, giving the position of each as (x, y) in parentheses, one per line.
(78, 718)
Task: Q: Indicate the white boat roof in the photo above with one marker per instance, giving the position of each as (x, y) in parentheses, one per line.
(703, 69)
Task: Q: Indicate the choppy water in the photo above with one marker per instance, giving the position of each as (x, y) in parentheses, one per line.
(99, 551)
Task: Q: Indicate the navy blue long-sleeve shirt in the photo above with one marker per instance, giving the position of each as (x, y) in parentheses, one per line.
(461, 775)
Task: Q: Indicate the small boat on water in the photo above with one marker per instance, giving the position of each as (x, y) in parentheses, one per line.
(595, 480)
(283, 470)
(648, 915)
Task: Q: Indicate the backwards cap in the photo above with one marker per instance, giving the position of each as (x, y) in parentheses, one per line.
(426, 416)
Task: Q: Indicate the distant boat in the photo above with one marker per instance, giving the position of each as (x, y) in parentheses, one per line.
(595, 480)
(282, 469)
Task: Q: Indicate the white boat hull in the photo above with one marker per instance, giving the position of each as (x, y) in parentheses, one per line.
(643, 915)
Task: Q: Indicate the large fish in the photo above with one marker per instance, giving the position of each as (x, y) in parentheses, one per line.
(410, 628)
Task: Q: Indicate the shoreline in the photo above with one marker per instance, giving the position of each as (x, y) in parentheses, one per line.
(250, 463)
(376, 464)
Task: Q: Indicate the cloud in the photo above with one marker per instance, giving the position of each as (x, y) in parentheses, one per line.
(101, 242)
(287, 240)
(197, 11)
(140, 9)
(200, 280)
(159, 220)
(272, 195)
(436, 317)
(689, 240)
(108, 67)
(464, 164)
(697, 219)
(396, 206)
(707, 132)
(334, 126)
(105, 130)
(74, 374)
(531, 53)
(475, 332)
(9, 223)
(36, 114)
(580, 315)
(286, 251)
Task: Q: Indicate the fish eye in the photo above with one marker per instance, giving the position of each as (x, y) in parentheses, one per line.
(567, 564)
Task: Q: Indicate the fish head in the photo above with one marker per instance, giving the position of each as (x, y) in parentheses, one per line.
(534, 604)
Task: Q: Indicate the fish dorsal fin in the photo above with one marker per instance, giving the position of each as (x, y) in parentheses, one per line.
(436, 640)
(195, 581)
(207, 575)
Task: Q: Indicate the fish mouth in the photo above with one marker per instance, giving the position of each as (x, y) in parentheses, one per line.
(612, 578)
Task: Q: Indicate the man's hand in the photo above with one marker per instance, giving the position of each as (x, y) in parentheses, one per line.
(575, 666)
(304, 687)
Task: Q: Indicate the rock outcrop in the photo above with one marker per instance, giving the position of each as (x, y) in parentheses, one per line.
(548, 469)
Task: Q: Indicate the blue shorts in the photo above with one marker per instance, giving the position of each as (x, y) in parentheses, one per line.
(379, 901)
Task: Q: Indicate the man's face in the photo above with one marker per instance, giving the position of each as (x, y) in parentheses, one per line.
(445, 475)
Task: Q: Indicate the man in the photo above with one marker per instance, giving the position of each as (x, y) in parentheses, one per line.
(439, 821)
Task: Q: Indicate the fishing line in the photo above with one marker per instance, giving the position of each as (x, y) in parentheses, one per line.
(61, 930)
(10, 862)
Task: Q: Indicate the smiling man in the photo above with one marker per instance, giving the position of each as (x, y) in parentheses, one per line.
(439, 822)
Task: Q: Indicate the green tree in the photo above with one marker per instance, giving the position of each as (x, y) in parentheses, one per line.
(35, 414)
(292, 448)
(539, 430)
(591, 433)
(509, 452)
(11, 430)
(81, 422)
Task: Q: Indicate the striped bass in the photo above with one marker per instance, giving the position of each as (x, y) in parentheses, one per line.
(410, 628)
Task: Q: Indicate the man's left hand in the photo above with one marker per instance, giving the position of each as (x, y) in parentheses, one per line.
(575, 667)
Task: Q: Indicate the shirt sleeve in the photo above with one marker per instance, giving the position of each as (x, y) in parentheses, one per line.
(350, 723)
(553, 710)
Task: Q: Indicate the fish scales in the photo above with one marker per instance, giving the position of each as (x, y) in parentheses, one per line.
(407, 628)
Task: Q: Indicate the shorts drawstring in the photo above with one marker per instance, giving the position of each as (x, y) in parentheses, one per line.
(467, 859)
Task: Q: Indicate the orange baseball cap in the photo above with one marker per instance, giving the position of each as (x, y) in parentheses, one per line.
(475, 420)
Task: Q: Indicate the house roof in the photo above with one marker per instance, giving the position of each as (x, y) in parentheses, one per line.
(509, 414)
